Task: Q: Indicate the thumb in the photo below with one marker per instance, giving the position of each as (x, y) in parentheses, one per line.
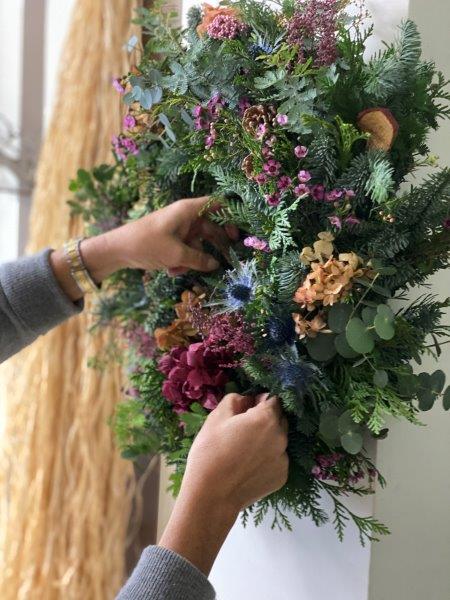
(195, 259)
(234, 404)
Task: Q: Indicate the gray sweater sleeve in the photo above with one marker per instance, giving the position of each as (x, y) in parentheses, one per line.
(31, 302)
(163, 575)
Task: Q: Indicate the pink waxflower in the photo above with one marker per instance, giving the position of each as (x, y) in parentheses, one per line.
(124, 146)
(272, 167)
(142, 342)
(446, 223)
(282, 119)
(197, 110)
(271, 141)
(300, 151)
(243, 104)
(284, 182)
(335, 221)
(273, 199)
(352, 220)
(256, 243)
(333, 195)
(211, 138)
(349, 194)
(261, 178)
(301, 190)
(261, 130)
(201, 123)
(129, 121)
(118, 86)
(225, 27)
(318, 192)
(304, 176)
(266, 152)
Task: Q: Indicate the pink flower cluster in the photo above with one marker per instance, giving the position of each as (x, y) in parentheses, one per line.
(193, 375)
(338, 222)
(256, 243)
(226, 334)
(313, 27)
(142, 342)
(225, 27)
(124, 146)
(327, 469)
(205, 118)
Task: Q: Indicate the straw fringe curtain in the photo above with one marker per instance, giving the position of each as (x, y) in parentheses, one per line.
(66, 494)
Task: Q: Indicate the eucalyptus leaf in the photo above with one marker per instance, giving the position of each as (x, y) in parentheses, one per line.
(343, 348)
(339, 316)
(368, 315)
(346, 423)
(359, 337)
(380, 378)
(321, 348)
(446, 399)
(384, 322)
(328, 427)
(352, 442)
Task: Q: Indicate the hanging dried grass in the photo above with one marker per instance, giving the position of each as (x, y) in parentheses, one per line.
(66, 494)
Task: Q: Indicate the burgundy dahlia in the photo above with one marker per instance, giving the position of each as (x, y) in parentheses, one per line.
(193, 374)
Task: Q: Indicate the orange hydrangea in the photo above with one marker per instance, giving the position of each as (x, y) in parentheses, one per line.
(329, 282)
(181, 330)
(311, 328)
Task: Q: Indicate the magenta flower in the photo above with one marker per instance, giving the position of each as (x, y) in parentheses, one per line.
(261, 179)
(193, 374)
(284, 182)
(304, 176)
(349, 194)
(272, 167)
(300, 151)
(118, 86)
(266, 152)
(318, 192)
(301, 189)
(243, 104)
(197, 110)
(446, 223)
(273, 199)
(352, 220)
(129, 121)
(333, 196)
(256, 243)
(261, 130)
(335, 221)
(225, 27)
(282, 119)
(271, 141)
(123, 146)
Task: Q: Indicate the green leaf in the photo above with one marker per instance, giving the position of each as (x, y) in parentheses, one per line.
(368, 315)
(346, 424)
(425, 393)
(359, 337)
(194, 419)
(352, 442)
(437, 380)
(380, 378)
(270, 78)
(329, 428)
(446, 399)
(321, 348)
(339, 316)
(384, 322)
(343, 348)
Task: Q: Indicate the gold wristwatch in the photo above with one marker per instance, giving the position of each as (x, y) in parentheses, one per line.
(77, 267)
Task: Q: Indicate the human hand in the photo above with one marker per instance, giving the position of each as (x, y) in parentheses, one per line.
(169, 238)
(238, 457)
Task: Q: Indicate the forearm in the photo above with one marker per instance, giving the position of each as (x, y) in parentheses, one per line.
(31, 302)
(197, 528)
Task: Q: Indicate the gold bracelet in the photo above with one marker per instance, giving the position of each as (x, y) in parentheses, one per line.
(77, 267)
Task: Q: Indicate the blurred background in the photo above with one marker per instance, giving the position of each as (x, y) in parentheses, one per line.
(411, 564)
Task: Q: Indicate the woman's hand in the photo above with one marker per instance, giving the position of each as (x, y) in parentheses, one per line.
(238, 457)
(170, 238)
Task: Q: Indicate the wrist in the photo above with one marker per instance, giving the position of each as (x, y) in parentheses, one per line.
(101, 256)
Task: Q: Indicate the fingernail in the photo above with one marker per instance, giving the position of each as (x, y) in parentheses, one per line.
(212, 263)
(262, 397)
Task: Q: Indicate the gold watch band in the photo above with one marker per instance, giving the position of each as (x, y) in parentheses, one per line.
(77, 267)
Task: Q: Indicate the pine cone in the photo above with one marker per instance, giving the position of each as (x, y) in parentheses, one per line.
(257, 119)
(382, 126)
(247, 166)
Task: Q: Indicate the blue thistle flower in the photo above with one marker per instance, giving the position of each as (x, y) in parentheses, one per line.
(280, 330)
(296, 375)
(240, 286)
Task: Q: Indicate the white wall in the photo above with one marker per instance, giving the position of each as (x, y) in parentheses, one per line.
(413, 563)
